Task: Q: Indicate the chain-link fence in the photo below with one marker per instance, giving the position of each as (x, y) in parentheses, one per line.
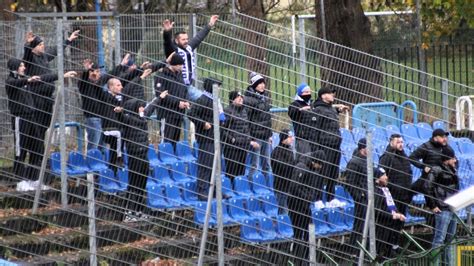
(142, 190)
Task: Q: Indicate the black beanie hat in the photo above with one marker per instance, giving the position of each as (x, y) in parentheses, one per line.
(325, 90)
(208, 82)
(176, 59)
(13, 64)
(362, 144)
(35, 42)
(233, 95)
(447, 153)
(317, 156)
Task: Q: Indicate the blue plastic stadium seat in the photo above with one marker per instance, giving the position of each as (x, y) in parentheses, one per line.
(284, 227)
(343, 195)
(419, 199)
(466, 148)
(227, 187)
(77, 164)
(392, 129)
(463, 167)
(358, 133)
(320, 222)
(200, 214)
(275, 139)
(267, 229)
(226, 219)
(95, 160)
(161, 174)
(125, 158)
(237, 210)
(270, 205)
(349, 217)
(108, 182)
(173, 196)
(414, 219)
(249, 231)
(56, 163)
(347, 152)
(347, 138)
(178, 173)
(440, 124)
(416, 172)
(156, 198)
(195, 149)
(410, 134)
(166, 153)
(424, 130)
(192, 170)
(270, 180)
(379, 135)
(336, 220)
(381, 148)
(254, 207)
(153, 157)
(122, 175)
(189, 193)
(343, 164)
(260, 186)
(242, 187)
(184, 152)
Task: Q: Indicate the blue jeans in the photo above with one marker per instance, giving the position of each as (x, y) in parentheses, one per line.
(193, 93)
(260, 158)
(94, 132)
(445, 229)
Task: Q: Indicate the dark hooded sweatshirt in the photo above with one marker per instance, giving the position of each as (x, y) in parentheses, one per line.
(326, 130)
(258, 109)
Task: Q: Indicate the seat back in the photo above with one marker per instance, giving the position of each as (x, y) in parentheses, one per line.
(77, 161)
(320, 222)
(183, 150)
(161, 174)
(424, 130)
(237, 210)
(378, 135)
(122, 174)
(409, 132)
(56, 162)
(254, 207)
(346, 135)
(95, 160)
(108, 182)
(166, 153)
(270, 205)
(392, 129)
(439, 124)
(284, 226)
(267, 229)
(336, 220)
(156, 197)
(189, 192)
(249, 231)
(173, 195)
(358, 133)
(241, 186)
(227, 187)
(178, 172)
(260, 186)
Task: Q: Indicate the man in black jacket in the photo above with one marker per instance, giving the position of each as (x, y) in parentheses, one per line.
(22, 108)
(135, 136)
(327, 135)
(201, 115)
(397, 165)
(258, 104)
(443, 182)
(36, 58)
(185, 49)
(171, 111)
(426, 156)
(356, 185)
(283, 161)
(303, 119)
(306, 188)
(236, 137)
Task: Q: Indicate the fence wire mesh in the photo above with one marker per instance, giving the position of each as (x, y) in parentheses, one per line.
(145, 198)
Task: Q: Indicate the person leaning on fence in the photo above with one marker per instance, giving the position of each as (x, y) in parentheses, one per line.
(305, 189)
(172, 109)
(283, 162)
(258, 103)
(397, 165)
(22, 108)
(443, 182)
(202, 115)
(112, 112)
(184, 47)
(356, 185)
(135, 136)
(90, 87)
(387, 216)
(236, 136)
(328, 136)
(303, 119)
(36, 58)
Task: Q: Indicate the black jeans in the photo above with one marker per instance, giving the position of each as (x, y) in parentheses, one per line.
(137, 176)
(234, 161)
(26, 140)
(359, 218)
(205, 162)
(300, 215)
(172, 130)
(330, 169)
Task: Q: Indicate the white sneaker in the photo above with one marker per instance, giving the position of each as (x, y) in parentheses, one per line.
(22, 186)
(319, 204)
(130, 217)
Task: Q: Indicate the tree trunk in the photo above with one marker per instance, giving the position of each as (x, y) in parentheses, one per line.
(354, 75)
(254, 35)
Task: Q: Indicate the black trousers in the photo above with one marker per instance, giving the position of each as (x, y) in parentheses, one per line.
(172, 130)
(402, 200)
(358, 229)
(205, 162)
(26, 140)
(137, 176)
(300, 215)
(113, 162)
(330, 169)
(234, 161)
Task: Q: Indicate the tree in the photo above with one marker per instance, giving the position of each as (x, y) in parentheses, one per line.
(353, 75)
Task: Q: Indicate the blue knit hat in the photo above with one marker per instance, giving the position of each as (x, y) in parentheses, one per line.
(301, 88)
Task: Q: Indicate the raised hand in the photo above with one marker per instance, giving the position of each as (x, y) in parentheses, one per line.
(167, 25)
(125, 60)
(73, 35)
(29, 37)
(34, 78)
(213, 20)
(70, 74)
(87, 63)
(146, 73)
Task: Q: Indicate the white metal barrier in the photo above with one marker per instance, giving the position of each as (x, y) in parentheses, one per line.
(460, 112)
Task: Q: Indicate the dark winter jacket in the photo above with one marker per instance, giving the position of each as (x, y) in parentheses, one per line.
(38, 65)
(134, 127)
(111, 120)
(177, 91)
(282, 161)
(236, 127)
(442, 182)
(326, 130)
(200, 114)
(356, 177)
(398, 169)
(134, 90)
(91, 91)
(258, 108)
(307, 182)
(304, 121)
(429, 153)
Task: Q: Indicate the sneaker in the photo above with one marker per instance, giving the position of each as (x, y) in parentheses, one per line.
(142, 216)
(130, 217)
(34, 184)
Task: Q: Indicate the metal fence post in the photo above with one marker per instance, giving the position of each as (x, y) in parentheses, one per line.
(217, 175)
(91, 215)
(61, 112)
(445, 100)
(312, 244)
(117, 39)
(302, 50)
